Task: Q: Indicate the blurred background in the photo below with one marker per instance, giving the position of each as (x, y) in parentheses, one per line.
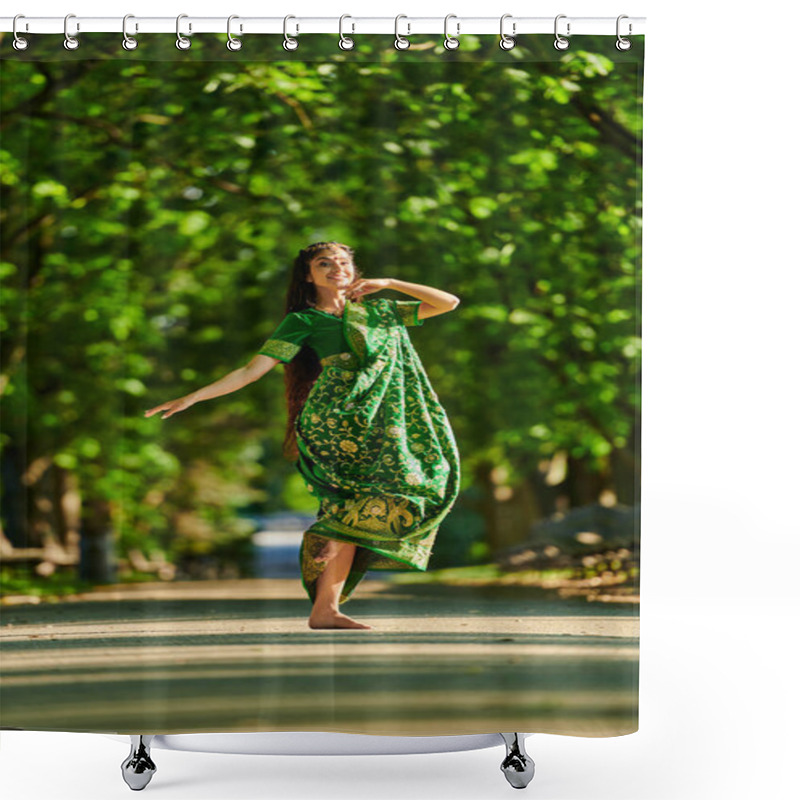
(150, 218)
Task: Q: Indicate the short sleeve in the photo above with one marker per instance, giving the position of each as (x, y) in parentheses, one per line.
(408, 311)
(287, 340)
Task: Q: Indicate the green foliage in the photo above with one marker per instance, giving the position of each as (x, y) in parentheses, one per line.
(151, 212)
(23, 581)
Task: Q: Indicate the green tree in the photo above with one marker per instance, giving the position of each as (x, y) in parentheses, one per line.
(152, 205)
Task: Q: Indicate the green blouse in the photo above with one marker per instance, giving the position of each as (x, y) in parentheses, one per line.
(323, 332)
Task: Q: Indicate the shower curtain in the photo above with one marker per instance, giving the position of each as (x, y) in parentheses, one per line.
(479, 398)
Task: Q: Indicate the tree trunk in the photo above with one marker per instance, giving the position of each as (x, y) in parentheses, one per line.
(14, 496)
(98, 561)
(584, 485)
(508, 521)
(627, 472)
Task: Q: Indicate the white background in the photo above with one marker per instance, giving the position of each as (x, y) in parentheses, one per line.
(719, 696)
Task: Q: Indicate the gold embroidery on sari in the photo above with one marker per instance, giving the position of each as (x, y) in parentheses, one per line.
(407, 311)
(279, 349)
(375, 514)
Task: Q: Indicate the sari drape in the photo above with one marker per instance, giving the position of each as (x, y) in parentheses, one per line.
(376, 448)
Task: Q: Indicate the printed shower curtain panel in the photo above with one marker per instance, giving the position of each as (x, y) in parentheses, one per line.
(320, 378)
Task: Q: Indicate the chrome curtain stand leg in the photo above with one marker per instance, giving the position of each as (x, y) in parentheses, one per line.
(138, 768)
(517, 766)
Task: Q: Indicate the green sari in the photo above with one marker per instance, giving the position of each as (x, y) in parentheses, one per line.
(376, 447)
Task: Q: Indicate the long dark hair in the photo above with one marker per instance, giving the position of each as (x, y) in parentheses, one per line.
(301, 372)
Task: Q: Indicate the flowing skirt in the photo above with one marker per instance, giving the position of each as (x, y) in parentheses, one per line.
(377, 450)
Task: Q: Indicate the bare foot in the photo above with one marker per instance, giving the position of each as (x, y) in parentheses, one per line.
(331, 549)
(334, 619)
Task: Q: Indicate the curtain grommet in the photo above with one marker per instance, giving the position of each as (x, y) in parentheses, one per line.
(233, 43)
(20, 42)
(400, 42)
(70, 42)
(560, 42)
(507, 42)
(450, 42)
(128, 42)
(182, 42)
(345, 42)
(289, 43)
(622, 43)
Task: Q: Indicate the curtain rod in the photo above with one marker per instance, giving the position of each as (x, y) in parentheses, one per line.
(298, 25)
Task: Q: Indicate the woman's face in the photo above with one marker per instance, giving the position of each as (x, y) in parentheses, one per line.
(332, 269)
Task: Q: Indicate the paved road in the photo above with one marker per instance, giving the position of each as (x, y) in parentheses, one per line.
(238, 656)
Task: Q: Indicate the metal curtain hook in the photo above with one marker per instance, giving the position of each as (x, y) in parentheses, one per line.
(449, 42)
(288, 42)
(507, 42)
(623, 44)
(561, 43)
(182, 43)
(128, 42)
(70, 42)
(345, 42)
(400, 42)
(20, 42)
(233, 42)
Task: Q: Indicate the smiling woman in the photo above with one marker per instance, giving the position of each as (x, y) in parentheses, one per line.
(367, 431)
(330, 271)
(371, 440)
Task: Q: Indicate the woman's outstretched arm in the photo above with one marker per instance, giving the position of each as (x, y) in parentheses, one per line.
(258, 366)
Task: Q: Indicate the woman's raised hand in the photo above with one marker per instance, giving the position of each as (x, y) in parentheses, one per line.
(171, 407)
(366, 286)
